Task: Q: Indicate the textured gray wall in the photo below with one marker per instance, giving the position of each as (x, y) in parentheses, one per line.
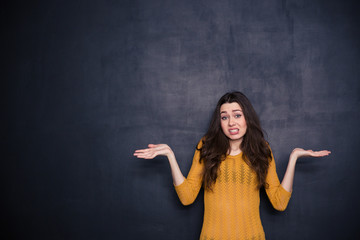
(91, 81)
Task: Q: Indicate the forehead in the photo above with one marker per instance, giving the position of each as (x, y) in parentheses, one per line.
(229, 107)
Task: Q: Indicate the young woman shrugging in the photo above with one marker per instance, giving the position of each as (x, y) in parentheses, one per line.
(232, 162)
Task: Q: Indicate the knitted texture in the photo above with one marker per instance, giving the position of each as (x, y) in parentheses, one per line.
(231, 211)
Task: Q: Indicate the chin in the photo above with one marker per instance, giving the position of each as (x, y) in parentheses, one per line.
(235, 138)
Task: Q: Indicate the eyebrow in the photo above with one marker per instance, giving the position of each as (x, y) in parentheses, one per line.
(232, 110)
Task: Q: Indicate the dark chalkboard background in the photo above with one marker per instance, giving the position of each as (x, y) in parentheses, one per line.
(88, 82)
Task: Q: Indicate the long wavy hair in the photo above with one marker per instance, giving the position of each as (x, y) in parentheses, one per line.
(215, 144)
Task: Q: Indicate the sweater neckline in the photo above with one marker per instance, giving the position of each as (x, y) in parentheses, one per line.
(234, 156)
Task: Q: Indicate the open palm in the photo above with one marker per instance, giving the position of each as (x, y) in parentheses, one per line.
(152, 151)
(299, 152)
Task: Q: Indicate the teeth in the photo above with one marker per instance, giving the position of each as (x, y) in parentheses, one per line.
(234, 130)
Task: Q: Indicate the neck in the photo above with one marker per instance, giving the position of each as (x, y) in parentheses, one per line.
(235, 147)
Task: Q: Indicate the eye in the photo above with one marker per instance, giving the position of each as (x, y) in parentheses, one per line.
(238, 115)
(223, 118)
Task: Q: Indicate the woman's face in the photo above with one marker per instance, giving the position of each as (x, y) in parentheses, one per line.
(233, 121)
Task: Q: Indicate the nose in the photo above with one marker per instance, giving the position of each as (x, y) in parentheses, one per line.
(231, 121)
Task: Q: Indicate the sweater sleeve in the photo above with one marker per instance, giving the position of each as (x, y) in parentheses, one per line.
(278, 196)
(188, 190)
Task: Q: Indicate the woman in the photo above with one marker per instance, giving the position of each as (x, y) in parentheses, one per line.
(232, 162)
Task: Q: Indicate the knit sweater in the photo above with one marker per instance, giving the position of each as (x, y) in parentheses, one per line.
(231, 211)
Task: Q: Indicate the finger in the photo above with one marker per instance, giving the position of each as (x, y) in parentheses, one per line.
(320, 153)
(151, 146)
(154, 145)
(150, 156)
(158, 146)
(151, 152)
(140, 154)
(145, 156)
(323, 151)
(142, 150)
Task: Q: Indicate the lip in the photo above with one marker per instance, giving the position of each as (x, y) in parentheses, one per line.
(234, 133)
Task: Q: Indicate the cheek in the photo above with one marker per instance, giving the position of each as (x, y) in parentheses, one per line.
(223, 126)
(244, 124)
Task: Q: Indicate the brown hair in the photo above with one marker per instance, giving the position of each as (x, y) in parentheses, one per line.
(215, 144)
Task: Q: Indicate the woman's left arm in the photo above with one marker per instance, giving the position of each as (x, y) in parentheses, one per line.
(288, 179)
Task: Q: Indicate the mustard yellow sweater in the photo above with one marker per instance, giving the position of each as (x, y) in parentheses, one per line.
(232, 209)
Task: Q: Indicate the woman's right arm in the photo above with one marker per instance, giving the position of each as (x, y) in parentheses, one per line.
(164, 150)
(188, 188)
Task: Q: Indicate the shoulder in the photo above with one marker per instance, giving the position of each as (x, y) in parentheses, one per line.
(200, 143)
(269, 151)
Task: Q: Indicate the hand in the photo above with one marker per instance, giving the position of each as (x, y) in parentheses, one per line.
(153, 151)
(299, 152)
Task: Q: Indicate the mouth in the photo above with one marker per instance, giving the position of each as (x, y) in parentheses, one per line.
(234, 131)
